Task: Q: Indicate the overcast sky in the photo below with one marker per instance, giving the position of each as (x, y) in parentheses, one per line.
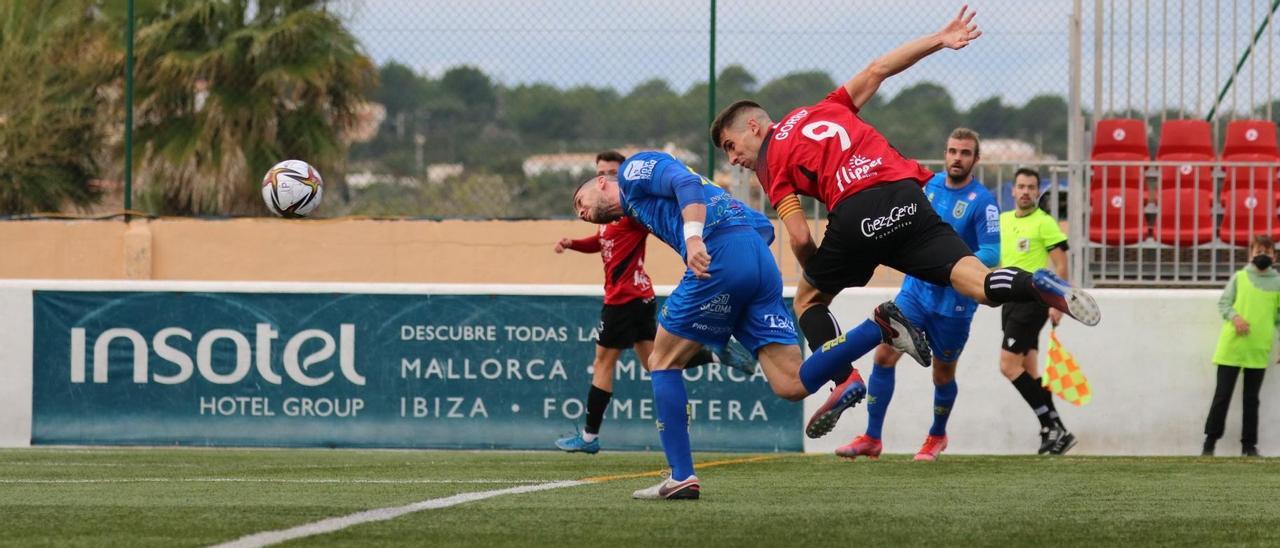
(1022, 53)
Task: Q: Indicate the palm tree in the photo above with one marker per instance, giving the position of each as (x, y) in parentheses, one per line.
(55, 67)
(224, 92)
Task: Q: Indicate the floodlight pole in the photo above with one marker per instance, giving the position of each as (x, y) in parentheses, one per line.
(1077, 188)
(711, 95)
(128, 111)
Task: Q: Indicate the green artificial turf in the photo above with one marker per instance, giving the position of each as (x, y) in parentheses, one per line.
(190, 497)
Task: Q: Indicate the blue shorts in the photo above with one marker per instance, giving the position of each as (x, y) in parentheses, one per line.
(742, 298)
(947, 334)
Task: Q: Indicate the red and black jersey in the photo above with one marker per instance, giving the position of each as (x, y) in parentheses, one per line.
(826, 151)
(621, 247)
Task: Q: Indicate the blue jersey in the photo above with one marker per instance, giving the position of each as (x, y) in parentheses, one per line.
(971, 210)
(656, 187)
(743, 295)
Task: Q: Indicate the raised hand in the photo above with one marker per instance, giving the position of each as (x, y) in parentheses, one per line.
(961, 30)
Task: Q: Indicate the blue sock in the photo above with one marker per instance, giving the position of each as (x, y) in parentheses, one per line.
(944, 397)
(834, 361)
(671, 404)
(879, 394)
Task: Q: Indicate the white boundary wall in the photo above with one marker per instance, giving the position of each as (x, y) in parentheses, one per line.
(15, 366)
(1148, 363)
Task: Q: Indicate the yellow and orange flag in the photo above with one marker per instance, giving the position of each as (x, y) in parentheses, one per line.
(1062, 374)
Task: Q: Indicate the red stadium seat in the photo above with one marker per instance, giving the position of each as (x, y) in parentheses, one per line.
(1115, 216)
(1186, 217)
(1188, 141)
(1121, 135)
(1249, 212)
(1119, 140)
(1251, 141)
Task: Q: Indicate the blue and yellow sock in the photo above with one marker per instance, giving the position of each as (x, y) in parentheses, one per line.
(835, 359)
(944, 398)
(671, 404)
(879, 394)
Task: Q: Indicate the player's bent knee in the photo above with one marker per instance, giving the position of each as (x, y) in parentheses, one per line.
(781, 365)
(886, 356)
(663, 365)
(945, 372)
(664, 360)
(808, 296)
(790, 391)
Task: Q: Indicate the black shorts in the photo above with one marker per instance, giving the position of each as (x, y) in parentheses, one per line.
(1021, 323)
(623, 325)
(892, 224)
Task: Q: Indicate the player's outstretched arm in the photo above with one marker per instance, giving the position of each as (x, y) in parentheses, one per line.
(590, 244)
(955, 35)
(793, 218)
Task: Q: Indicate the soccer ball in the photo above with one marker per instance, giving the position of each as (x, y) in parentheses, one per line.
(292, 189)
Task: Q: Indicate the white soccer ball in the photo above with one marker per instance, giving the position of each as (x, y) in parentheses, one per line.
(292, 189)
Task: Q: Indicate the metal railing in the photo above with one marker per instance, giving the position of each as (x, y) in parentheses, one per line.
(997, 177)
(1140, 224)
(1175, 223)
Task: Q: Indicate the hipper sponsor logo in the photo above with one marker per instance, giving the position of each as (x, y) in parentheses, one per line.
(179, 366)
(858, 168)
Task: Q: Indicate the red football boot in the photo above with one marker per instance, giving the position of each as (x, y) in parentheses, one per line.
(933, 446)
(861, 446)
(847, 395)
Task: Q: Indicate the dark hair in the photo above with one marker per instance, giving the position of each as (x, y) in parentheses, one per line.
(588, 181)
(1029, 172)
(966, 134)
(581, 186)
(1263, 240)
(728, 116)
(611, 156)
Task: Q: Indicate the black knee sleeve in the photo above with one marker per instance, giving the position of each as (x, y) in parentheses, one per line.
(818, 326)
(1009, 285)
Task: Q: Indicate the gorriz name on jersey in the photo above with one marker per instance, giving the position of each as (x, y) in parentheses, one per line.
(784, 130)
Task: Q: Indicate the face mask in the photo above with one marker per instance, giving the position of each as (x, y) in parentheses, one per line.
(1263, 262)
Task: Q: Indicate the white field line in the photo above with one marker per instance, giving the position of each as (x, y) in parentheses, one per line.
(330, 525)
(56, 464)
(60, 464)
(268, 480)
